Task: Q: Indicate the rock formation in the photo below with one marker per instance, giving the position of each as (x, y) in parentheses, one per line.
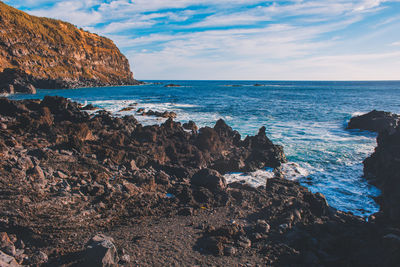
(374, 121)
(48, 54)
(79, 190)
(382, 168)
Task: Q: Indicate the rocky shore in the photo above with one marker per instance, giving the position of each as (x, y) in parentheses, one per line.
(382, 168)
(96, 190)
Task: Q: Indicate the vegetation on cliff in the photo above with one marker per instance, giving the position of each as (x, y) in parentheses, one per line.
(56, 54)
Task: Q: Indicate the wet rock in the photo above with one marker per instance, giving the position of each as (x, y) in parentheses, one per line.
(89, 107)
(318, 203)
(382, 169)
(375, 121)
(127, 109)
(210, 179)
(165, 114)
(172, 85)
(191, 126)
(101, 251)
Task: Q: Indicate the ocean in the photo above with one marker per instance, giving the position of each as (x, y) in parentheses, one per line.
(307, 118)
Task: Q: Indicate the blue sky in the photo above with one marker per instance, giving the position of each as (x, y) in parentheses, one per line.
(243, 39)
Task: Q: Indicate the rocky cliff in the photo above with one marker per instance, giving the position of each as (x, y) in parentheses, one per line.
(48, 53)
(382, 168)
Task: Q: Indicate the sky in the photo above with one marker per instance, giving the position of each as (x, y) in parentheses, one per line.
(242, 39)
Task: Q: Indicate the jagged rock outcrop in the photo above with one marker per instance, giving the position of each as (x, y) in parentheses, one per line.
(48, 53)
(382, 168)
(66, 176)
(374, 121)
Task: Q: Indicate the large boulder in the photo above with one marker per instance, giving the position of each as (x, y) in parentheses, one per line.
(101, 251)
(374, 121)
(382, 168)
(210, 179)
(16, 81)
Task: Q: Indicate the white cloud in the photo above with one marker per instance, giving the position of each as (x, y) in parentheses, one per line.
(75, 12)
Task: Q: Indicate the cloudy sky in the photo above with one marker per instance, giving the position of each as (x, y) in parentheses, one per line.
(243, 39)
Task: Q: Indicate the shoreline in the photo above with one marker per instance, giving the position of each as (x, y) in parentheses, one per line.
(67, 176)
(121, 108)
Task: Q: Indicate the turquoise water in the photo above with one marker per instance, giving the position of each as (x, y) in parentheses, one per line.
(307, 118)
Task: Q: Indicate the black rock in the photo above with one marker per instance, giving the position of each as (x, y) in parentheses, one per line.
(209, 179)
(375, 121)
(101, 251)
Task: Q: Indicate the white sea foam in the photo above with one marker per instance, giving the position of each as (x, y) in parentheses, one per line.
(293, 171)
(255, 179)
(357, 113)
(290, 170)
(116, 107)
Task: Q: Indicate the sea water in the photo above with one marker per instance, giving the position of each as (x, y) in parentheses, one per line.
(307, 118)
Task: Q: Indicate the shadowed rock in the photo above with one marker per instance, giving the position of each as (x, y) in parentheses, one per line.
(375, 121)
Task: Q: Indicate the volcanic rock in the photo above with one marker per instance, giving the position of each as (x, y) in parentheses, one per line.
(382, 168)
(375, 121)
(132, 182)
(101, 251)
(210, 179)
(172, 85)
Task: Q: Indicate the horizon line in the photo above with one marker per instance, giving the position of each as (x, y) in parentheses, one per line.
(218, 80)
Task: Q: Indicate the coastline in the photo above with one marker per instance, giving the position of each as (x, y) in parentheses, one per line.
(71, 175)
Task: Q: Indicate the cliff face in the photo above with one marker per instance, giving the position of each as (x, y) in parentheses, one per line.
(55, 54)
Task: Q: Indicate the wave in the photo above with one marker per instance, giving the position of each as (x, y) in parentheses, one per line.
(357, 113)
(290, 171)
(255, 179)
(293, 171)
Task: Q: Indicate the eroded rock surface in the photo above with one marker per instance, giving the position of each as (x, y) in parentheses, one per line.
(159, 193)
(375, 121)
